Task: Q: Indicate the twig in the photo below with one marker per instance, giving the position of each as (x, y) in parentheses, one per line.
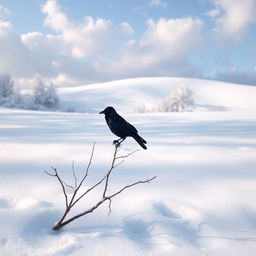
(83, 179)
(74, 174)
(126, 156)
(110, 170)
(77, 186)
(61, 183)
(109, 206)
(131, 185)
(118, 164)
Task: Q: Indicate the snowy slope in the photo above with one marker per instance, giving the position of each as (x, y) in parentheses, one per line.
(124, 94)
(203, 201)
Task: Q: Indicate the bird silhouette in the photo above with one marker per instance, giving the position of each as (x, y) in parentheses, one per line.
(121, 128)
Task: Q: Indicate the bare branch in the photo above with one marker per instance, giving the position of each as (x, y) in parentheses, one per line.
(125, 156)
(117, 148)
(99, 182)
(118, 164)
(62, 223)
(74, 174)
(55, 175)
(109, 206)
(88, 166)
(77, 186)
(88, 190)
(131, 185)
(50, 174)
(62, 185)
(68, 186)
(121, 190)
(72, 202)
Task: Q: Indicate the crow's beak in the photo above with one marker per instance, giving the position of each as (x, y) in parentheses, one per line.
(102, 112)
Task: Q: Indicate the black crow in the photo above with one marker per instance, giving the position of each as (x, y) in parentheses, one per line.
(120, 127)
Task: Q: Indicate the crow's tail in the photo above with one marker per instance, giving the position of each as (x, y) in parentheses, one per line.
(140, 140)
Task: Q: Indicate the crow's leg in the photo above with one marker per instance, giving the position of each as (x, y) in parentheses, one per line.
(118, 142)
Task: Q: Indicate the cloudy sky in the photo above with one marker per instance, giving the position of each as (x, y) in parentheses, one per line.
(83, 41)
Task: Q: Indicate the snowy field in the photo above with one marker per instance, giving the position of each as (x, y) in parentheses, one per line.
(203, 201)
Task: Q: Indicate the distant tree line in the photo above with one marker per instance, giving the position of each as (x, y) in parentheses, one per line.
(42, 96)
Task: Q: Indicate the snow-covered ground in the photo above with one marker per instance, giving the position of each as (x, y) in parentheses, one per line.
(203, 201)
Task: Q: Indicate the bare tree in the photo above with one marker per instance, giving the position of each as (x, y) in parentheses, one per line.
(77, 195)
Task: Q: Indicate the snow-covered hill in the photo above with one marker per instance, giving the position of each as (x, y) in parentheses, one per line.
(202, 203)
(125, 94)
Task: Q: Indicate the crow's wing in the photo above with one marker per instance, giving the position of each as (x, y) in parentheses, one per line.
(120, 127)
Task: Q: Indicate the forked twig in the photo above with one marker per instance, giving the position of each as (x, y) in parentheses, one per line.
(75, 198)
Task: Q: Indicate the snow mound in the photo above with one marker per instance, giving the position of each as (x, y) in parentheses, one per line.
(125, 94)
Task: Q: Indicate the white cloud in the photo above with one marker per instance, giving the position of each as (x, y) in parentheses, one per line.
(213, 13)
(59, 55)
(161, 49)
(15, 57)
(233, 16)
(4, 12)
(75, 52)
(64, 80)
(85, 39)
(158, 3)
(126, 28)
(55, 19)
(43, 45)
(26, 55)
(5, 28)
(171, 37)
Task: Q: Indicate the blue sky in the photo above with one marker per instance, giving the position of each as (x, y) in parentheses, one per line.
(84, 41)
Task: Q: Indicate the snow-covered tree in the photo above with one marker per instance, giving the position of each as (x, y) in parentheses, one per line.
(15, 100)
(51, 97)
(6, 85)
(44, 95)
(9, 97)
(180, 100)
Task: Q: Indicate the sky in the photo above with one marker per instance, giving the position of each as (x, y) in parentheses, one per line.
(86, 41)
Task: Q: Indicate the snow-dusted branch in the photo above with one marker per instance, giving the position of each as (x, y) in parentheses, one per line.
(76, 196)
